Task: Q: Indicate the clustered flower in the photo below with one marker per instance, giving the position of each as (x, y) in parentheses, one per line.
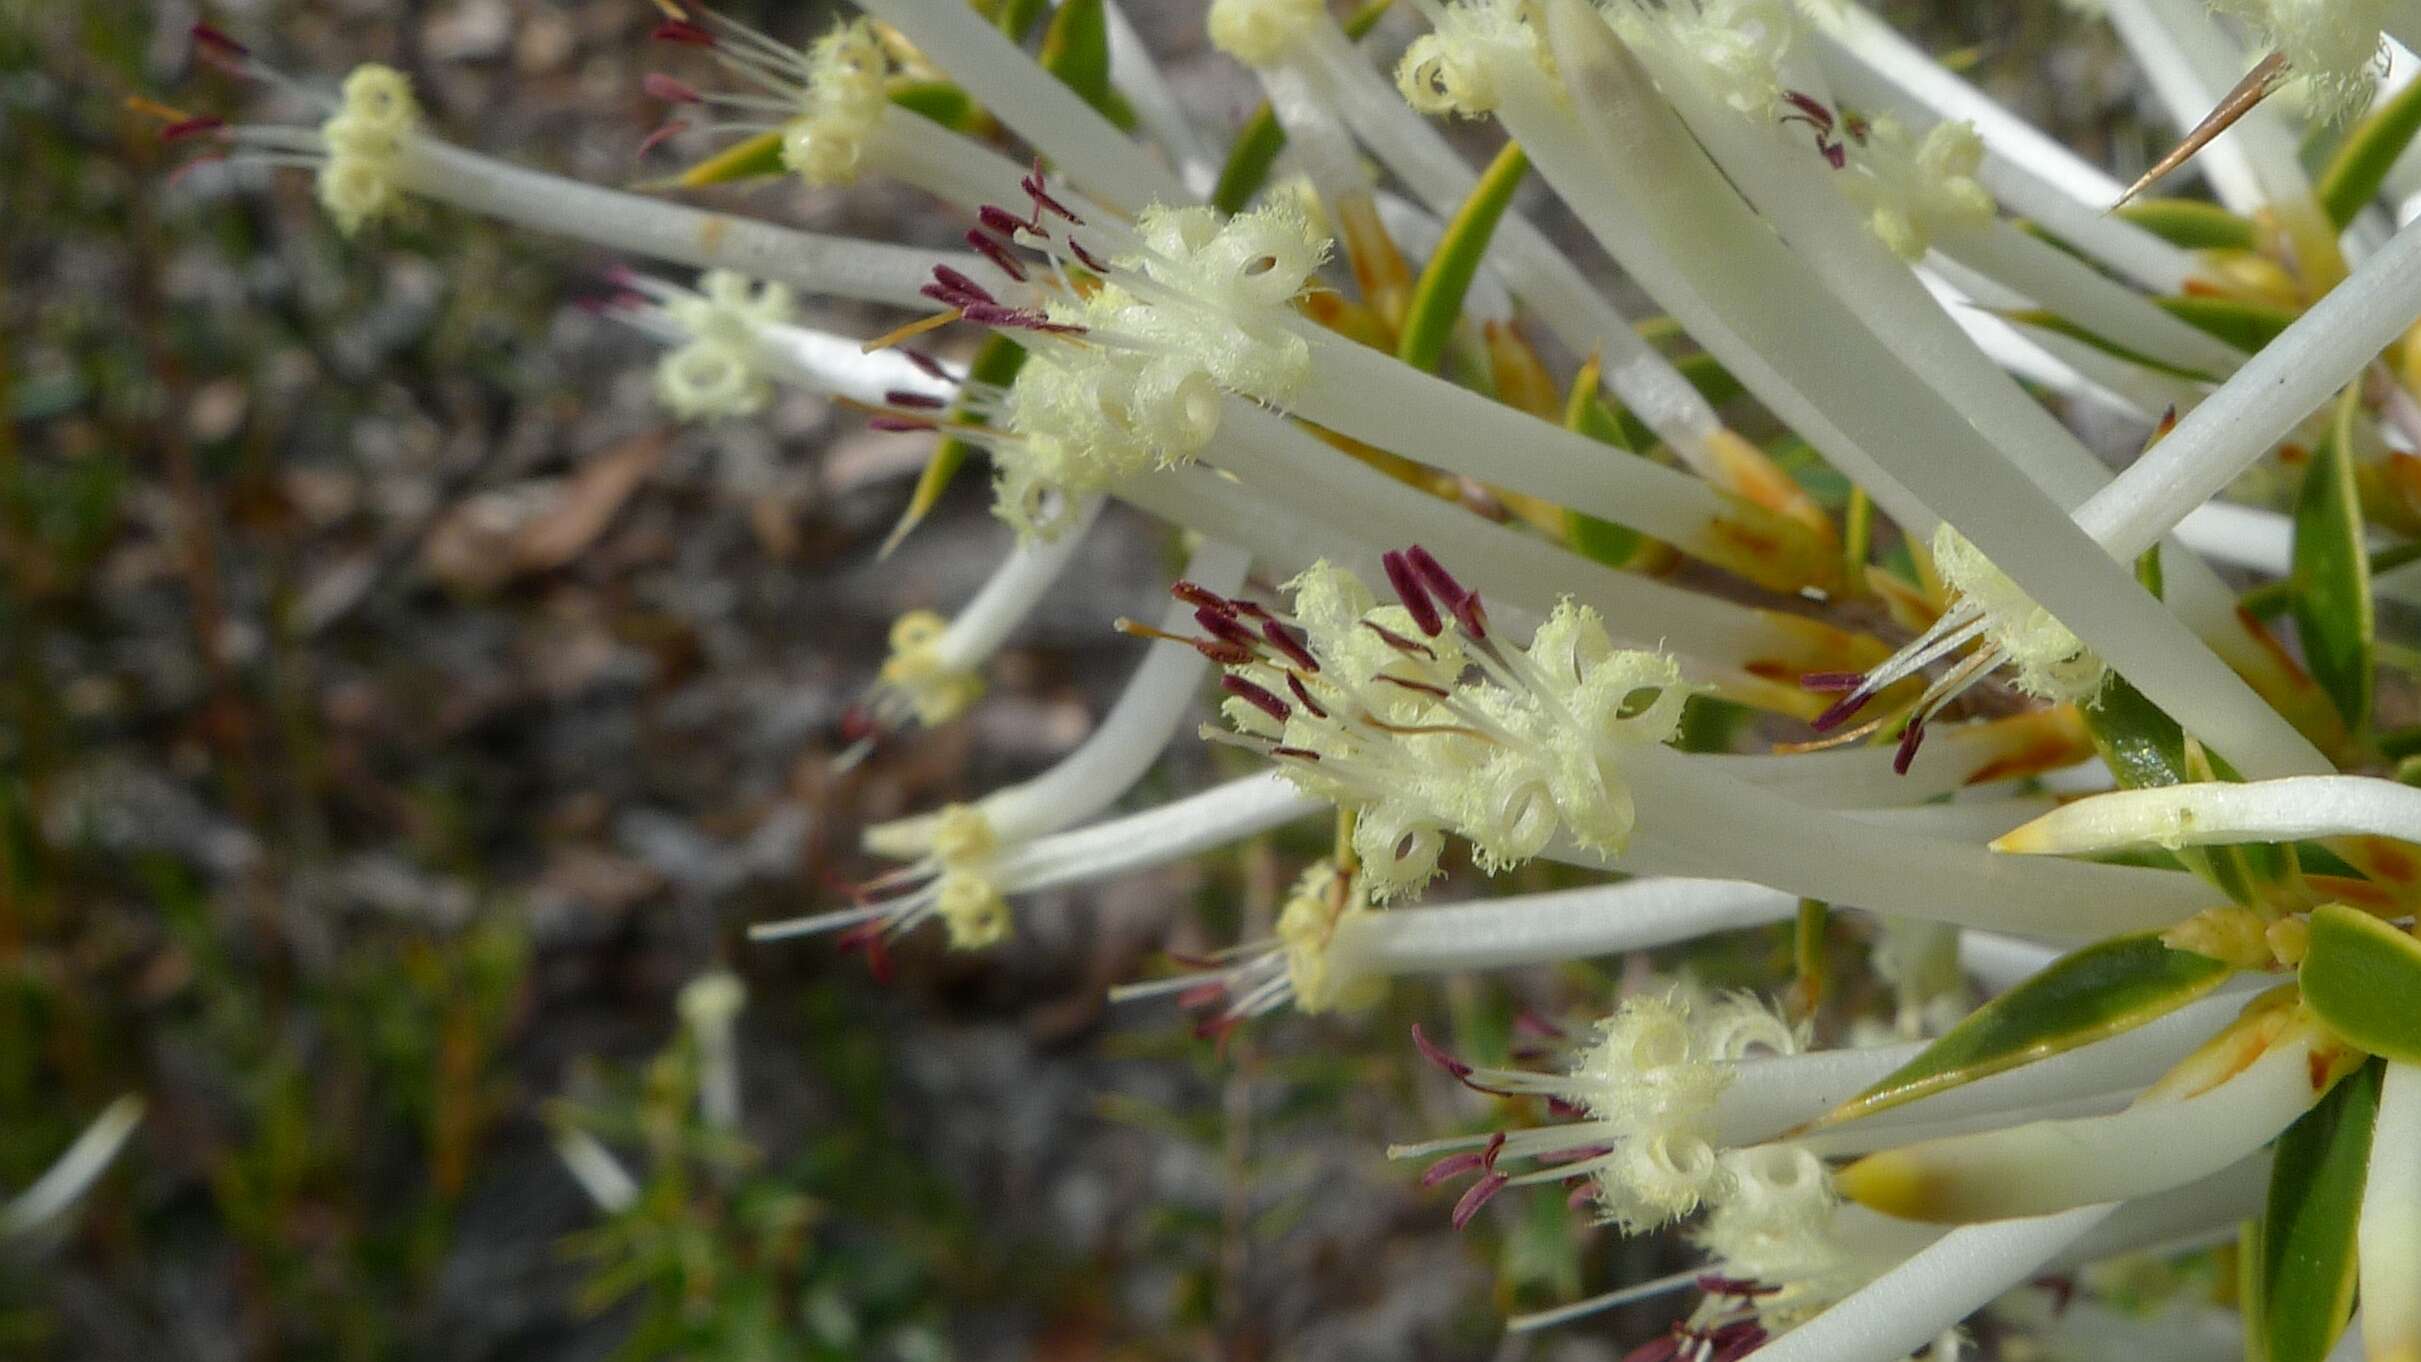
(1318, 365)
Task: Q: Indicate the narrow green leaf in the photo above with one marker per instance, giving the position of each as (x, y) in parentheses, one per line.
(2333, 609)
(1017, 18)
(996, 365)
(2193, 224)
(2304, 1263)
(1256, 149)
(2361, 977)
(1437, 297)
(2046, 320)
(1586, 412)
(1076, 49)
(940, 100)
(2244, 324)
(2088, 995)
(2360, 166)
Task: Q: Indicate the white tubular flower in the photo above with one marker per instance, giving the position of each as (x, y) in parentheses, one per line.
(1259, 32)
(2047, 661)
(75, 1171)
(918, 677)
(1644, 1095)
(366, 141)
(1737, 46)
(1452, 71)
(709, 1006)
(845, 96)
(2050, 662)
(1322, 903)
(1424, 723)
(986, 866)
(2333, 49)
(1129, 359)
(1913, 190)
(719, 373)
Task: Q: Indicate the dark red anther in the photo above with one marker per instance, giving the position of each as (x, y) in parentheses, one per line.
(1578, 1198)
(664, 87)
(191, 127)
(1091, 261)
(1810, 108)
(684, 32)
(857, 724)
(1830, 683)
(1746, 1288)
(1908, 746)
(893, 424)
(670, 129)
(960, 287)
(214, 40)
(1736, 1340)
(869, 937)
(1032, 184)
(1400, 643)
(1202, 995)
(1469, 613)
(1202, 598)
(1479, 1194)
(1298, 753)
(925, 364)
(1019, 318)
(1226, 628)
(1451, 1166)
(1434, 575)
(1662, 1348)
(1290, 642)
(1302, 696)
(1408, 589)
(1001, 220)
(1836, 154)
(990, 248)
(1257, 696)
(1839, 712)
(1218, 1028)
(921, 401)
(1435, 1054)
(1224, 654)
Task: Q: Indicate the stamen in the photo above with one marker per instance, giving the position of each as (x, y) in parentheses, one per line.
(1259, 697)
(915, 328)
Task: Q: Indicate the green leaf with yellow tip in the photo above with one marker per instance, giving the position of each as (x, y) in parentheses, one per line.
(2193, 224)
(2362, 979)
(1437, 297)
(996, 364)
(2088, 995)
(2360, 166)
(2333, 609)
(755, 157)
(2145, 748)
(2303, 1255)
(2240, 322)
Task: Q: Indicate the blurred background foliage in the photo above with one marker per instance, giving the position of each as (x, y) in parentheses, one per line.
(395, 710)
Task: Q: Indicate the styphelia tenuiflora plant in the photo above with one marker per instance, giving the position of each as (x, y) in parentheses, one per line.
(1469, 544)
